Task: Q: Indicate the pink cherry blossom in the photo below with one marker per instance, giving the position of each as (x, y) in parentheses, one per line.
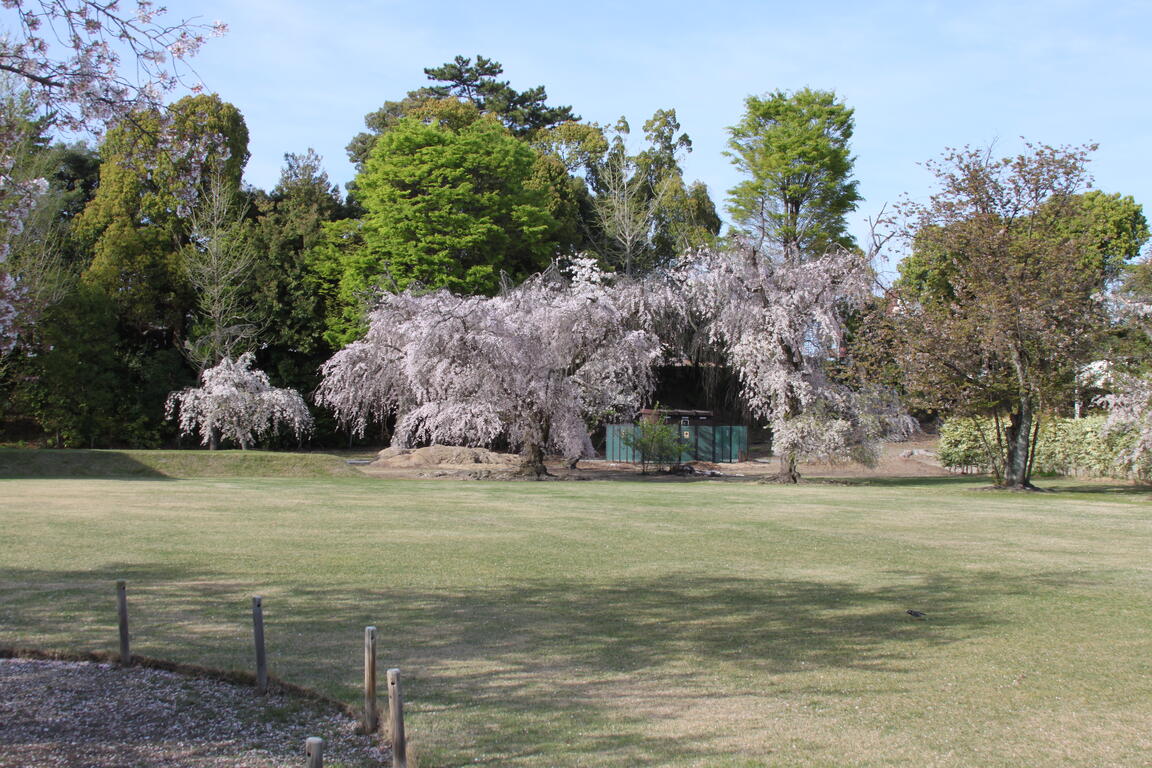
(237, 402)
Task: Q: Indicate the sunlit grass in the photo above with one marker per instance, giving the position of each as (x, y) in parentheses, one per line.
(622, 624)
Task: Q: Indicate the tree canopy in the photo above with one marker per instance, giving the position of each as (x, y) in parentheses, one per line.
(237, 402)
(1002, 301)
(137, 223)
(646, 217)
(465, 90)
(453, 209)
(533, 366)
(780, 324)
(126, 272)
(793, 147)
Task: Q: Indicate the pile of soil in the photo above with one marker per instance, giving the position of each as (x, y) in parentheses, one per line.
(443, 456)
(913, 458)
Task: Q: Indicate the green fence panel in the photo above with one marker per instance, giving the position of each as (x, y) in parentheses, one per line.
(704, 442)
(614, 446)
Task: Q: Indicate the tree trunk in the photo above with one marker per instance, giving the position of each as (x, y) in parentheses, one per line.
(1018, 447)
(788, 473)
(791, 409)
(532, 460)
(213, 439)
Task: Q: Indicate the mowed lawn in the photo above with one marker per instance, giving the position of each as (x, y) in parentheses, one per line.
(631, 623)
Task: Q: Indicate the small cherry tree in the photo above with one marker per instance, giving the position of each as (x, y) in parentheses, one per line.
(779, 323)
(237, 402)
(531, 366)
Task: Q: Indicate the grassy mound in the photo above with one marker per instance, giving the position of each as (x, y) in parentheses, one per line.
(30, 463)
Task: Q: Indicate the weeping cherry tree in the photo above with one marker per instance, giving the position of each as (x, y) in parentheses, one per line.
(779, 322)
(530, 367)
(237, 402)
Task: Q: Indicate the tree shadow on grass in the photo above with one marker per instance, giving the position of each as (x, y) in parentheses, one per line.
(1114, 488)
(957, 482)
(67, 464)
(535, 654)
(546, 659)
(194, 618)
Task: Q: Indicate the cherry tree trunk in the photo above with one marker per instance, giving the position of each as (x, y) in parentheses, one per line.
(792, 409)
(788, 472)
(532, 460)
(1018, 447)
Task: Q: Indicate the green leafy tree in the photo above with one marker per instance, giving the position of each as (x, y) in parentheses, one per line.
(447, 112)
(1002, 304)
(71, 385)
(155, 167)
(655, 441)
(452, 209)
(1109, 230)
(645, 215)
(289, 291)
(793, 148)
(347, 277)
(137, 224)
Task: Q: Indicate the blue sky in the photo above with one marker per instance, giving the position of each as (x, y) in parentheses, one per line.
(921, 76)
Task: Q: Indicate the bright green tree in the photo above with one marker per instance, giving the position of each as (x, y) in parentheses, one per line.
(793, 148)
(451, 209)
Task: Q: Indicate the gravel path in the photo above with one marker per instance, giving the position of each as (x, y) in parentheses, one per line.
(86, 715)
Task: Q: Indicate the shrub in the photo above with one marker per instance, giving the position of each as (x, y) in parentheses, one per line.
(655, 442)
(1074, 447)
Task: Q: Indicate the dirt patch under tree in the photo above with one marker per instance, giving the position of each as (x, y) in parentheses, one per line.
(912, 458)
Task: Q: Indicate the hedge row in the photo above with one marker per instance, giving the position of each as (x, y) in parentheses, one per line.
(1073, 447)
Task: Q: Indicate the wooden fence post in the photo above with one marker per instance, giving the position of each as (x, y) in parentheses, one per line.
(396, 720)
(371, 713)
(258, 633)
(314, 750)
(122, 609)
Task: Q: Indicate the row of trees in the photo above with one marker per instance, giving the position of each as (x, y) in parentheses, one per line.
(431, 301)
(150, 260)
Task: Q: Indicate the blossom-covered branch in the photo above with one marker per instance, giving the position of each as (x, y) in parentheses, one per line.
(780, 325)
(88, 62)
(531, 366)
(238, 403)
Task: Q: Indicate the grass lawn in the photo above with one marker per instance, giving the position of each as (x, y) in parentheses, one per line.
(627, 623)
